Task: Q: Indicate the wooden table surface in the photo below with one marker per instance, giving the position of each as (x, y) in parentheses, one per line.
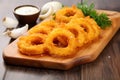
(105, 67)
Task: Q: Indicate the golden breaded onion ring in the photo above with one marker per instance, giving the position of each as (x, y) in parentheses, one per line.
(94, 25)
(32, 44)
(44, 27)
(64, 48)
(83, 23)
(67, 13)
(40, 30)
(79, 33)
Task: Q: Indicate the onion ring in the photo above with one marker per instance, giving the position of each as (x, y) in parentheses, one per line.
(67, 13)
(56, 47)
(44, 27)
(46, 12)
(82, 22)
(79, 33)
(94, 26)
(32, 44)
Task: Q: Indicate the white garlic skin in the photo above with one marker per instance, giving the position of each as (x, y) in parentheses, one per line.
(15, 33)
(10, 22)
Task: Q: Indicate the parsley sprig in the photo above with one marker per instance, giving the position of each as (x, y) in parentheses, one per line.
(102, 20)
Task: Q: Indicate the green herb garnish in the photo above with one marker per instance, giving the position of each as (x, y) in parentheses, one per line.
(62, 5)
(102, 20)
(53, 16)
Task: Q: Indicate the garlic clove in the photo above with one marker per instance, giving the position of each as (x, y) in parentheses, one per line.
(46, 12)
(15, 33)
(10, 22)
(19, 31)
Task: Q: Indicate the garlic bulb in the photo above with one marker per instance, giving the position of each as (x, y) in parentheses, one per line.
(46, 9)
(15, 33)
(10, 22)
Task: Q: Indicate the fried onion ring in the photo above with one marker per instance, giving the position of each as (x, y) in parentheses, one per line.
(32, 44)
(79, 33)
(94, 26)
(82, 22)
(66, 47)
(44, 27)
(67, 13)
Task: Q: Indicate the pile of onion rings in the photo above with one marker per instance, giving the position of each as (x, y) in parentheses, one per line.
(62, 37)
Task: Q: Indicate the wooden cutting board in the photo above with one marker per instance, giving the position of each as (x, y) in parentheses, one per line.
(11, 55)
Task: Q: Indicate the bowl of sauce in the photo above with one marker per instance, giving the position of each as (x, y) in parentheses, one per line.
(27, 14)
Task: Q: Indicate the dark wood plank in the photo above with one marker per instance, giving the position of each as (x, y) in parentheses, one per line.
(41, 74)
(4, 40)
(106, 67)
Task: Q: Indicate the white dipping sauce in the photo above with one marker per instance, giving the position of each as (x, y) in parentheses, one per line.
(26, 10)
